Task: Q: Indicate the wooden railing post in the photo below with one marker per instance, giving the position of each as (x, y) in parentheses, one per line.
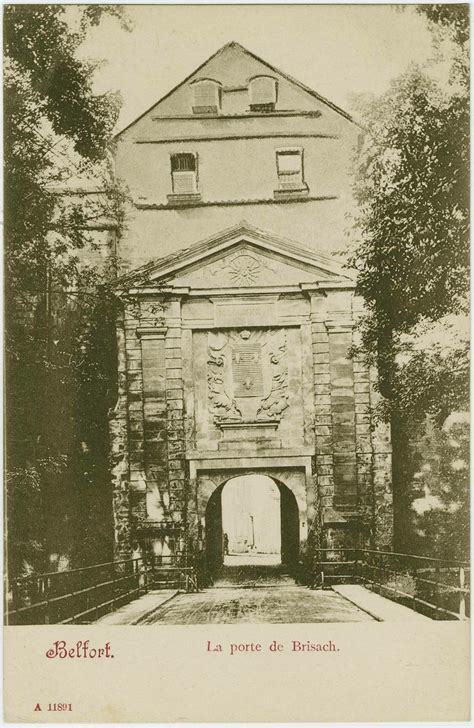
(47, 584)
(415, 592)
(462, 596)
(96, 600)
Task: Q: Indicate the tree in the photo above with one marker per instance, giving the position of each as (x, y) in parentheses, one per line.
(442, 529)
(56, 310)
(412, 260)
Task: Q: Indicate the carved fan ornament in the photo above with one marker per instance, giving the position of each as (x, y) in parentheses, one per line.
(243, 269)
(247, 367)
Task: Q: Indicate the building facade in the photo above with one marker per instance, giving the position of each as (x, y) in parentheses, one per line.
(237, 321)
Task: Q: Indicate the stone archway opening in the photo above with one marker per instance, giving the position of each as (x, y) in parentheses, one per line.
(252, 520)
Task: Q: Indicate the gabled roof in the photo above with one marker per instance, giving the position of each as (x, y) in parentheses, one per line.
(234, 44)
(165, 268)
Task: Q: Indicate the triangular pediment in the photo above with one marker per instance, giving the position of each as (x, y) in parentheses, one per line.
(242, 257)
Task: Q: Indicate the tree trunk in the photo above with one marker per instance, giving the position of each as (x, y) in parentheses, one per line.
(401, 467)
(401, 455)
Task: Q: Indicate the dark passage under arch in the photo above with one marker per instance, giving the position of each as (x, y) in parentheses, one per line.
(259, 516)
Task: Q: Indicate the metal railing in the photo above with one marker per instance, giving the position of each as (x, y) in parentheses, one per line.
(84, 595)
(438, 588)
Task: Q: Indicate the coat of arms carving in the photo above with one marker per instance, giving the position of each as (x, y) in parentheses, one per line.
(247, 374)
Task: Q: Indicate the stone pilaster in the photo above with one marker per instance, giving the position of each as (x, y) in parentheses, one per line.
(119, 449)
(175, 416)
(363, 431)
(343, 405)
(192, 529)
(323, 436)
(373, 450)
(152, 340)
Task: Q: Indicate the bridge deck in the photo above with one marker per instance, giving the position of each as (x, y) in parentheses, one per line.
(384, 610)
(283, 604)
(265, 604)
(134, 612)
(257, 605)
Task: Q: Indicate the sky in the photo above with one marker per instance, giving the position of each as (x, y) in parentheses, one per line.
(338, 50)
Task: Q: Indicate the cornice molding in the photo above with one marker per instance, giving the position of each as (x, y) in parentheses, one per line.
(150, 205)
(152, 332)
(229, 137)
(245, 115)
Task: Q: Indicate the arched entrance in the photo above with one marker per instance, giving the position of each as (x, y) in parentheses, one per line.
(252, 520)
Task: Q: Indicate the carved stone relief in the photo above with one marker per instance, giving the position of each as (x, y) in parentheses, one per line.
(222, 404)
(247, 375)
(245, 270)
(241, 268)
(276, 401)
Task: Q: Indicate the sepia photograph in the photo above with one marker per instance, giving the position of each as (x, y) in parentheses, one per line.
(236, 316)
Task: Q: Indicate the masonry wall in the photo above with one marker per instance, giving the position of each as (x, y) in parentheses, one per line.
(236, 166)
(319, 430)
(317, 438)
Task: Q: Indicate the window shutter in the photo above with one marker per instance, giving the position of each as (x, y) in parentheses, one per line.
(206, 97)
(289, 163)
(262, 91)
(205, 94)
(183, 173)
(290, 169)
(184, 183)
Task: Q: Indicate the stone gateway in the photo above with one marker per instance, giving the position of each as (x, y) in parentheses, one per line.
(236, 326)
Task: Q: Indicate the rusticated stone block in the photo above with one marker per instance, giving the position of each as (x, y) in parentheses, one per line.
(174, 373)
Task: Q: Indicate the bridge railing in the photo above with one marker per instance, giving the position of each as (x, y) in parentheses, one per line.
(83, 595)
(438, 588)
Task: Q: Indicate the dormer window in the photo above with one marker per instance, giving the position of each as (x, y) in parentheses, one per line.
(184, 177)
(207, 96)
(263, 94)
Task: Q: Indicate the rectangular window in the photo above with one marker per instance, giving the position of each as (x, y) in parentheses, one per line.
(290, 169)
(184, 173)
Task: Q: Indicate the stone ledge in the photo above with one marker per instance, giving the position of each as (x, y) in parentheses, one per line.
(184, 200)
(292, 194)
(229, 425)
(301, 452)
(151, 332)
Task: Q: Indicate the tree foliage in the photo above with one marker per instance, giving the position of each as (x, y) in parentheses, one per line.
(41, 47)
(452, 17)
(413, 195)
(60, 363)
(412, 254)
(56, 129)
(443, 528)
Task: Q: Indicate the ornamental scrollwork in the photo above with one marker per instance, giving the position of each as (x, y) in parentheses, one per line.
(243, 365)
(223, 406)
(276, 402)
